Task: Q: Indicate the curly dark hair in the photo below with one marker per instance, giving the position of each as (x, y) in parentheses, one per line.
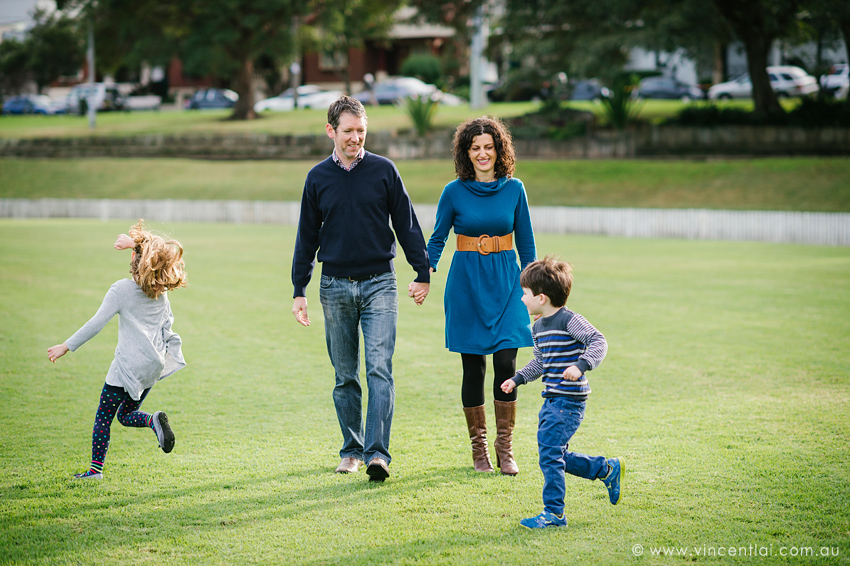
(464, 135)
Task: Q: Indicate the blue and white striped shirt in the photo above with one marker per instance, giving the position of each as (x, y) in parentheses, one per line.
(562, 340)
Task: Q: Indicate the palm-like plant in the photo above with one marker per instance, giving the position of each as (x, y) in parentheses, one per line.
(421, 110)
(620, 108)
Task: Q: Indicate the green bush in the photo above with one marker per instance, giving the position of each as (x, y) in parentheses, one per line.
(812, 112)
(425, 67)
(550, 122)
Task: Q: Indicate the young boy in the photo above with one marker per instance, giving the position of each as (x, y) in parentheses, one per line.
(565, 347)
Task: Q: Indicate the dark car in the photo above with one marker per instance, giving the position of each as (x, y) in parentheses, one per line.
(28, 104)
(395, 89)
(664, 87)
(207, 98)
(588, 90)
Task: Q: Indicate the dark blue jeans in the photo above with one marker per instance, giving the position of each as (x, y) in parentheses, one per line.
(349, 306)
(560, 418)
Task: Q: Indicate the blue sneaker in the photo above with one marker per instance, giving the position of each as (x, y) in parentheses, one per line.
(544, 520)
(614, 480)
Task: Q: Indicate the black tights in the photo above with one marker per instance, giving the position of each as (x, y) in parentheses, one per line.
(474, 369)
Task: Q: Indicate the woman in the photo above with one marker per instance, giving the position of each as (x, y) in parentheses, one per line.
(488, 211)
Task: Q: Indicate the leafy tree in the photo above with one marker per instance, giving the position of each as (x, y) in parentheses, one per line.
(343, 25)
(458, 16)
(219, 38)
(757, 23)
(55, 48)
(13, 67)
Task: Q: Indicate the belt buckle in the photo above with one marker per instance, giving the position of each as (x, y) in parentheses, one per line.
(481, 249)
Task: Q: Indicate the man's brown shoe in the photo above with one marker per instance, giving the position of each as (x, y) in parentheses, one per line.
(348, 465)
(378, 470)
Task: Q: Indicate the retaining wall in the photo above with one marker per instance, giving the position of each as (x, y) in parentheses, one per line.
(648, 141)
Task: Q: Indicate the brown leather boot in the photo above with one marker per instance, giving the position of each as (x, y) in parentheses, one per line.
(505, 420)
(476, 422)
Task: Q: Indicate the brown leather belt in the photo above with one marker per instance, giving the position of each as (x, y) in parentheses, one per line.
(484, 244)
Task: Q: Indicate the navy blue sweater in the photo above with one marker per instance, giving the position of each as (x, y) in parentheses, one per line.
(345, 217)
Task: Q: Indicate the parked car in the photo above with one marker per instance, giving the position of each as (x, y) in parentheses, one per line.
(394, 89)
(785, 80)
(209, 98)
(60, 105)
(588, 90)
(836, 82)
(105, 97)
(666, 87)
(28, 104)
(309, 96)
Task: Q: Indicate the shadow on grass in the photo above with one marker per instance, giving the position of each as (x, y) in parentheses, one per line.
(41, 532)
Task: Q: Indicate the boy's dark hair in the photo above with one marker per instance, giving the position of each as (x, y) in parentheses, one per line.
(464, 135)
(550, 277)
(345, 104)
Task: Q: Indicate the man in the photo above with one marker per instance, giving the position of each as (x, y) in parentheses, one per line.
(349, 200)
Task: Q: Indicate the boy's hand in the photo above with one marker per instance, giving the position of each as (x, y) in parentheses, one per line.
(508, 385)
(123, 242)
(572, 373)
(56, 352)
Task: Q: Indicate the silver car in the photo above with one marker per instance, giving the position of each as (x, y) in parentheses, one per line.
(785, 80)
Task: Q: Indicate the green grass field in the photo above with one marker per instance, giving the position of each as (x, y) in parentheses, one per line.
(725, 389)
(802, 184)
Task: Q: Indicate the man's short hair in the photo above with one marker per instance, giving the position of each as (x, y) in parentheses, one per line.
(551, 277)
(345, 104)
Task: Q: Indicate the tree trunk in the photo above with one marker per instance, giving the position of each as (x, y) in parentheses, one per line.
(764, 99)
(718, 66)
(244, 109)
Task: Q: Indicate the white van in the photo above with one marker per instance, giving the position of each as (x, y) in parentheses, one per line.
(104, 97)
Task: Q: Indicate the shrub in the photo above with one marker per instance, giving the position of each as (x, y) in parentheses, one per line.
(812, 112)
(421, 110)
(425, 67)
(620, 108)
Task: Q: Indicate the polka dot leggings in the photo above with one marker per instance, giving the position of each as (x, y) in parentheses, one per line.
(114, 400)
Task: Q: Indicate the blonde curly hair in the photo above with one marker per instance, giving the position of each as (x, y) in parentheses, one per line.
(157, 265)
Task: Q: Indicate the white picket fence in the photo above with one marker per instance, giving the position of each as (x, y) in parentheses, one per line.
(815, 228)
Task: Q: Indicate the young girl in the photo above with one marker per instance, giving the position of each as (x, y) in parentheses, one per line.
(148, 350)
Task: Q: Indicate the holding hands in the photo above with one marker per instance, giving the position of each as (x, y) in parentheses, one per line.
(418, 291)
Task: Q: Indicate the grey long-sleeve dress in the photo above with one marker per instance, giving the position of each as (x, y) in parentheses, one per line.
(148, 350)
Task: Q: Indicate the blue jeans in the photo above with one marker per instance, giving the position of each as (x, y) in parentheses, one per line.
(349, 306)
(560, 418)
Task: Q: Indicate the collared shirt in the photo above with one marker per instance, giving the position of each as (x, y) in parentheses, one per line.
(354, 163)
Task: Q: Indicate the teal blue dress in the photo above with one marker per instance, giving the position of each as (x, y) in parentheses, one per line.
(484, 312)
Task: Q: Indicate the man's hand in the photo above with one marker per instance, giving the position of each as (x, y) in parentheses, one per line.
(299, 309)
(418, 291)
(572, 373)
(56, 352)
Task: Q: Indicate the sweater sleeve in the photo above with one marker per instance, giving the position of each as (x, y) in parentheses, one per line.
(533, 369)
(442, 225)
(595, 343)
(108, 309)
(525, 245)
(306, 241)
(407, 230)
